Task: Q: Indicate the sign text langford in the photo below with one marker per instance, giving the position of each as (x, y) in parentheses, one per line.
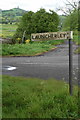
(52, 36)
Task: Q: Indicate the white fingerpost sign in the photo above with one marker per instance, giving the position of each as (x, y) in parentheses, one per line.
(52, 36)
(59, 36)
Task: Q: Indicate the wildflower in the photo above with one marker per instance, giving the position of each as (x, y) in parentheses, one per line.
(27, 41)
(1, 35)
(18, 39)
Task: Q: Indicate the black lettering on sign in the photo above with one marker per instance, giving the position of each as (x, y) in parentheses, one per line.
(52, 36)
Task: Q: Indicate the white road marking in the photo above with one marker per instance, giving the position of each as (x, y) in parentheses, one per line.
(9, 68)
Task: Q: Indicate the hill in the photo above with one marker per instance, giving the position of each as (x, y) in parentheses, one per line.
(11, 16)
(13, 12)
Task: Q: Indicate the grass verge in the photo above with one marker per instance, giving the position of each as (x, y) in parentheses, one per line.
(24, 49)
(36, 98)
(76, 39)
(0, 94)
(29, 49)
(77, 51)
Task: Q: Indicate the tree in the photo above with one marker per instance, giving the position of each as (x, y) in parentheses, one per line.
(69, 7)
(71, 21)
(38, 22)
(71, 12)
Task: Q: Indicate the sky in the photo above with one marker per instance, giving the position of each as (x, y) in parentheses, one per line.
(32, 5)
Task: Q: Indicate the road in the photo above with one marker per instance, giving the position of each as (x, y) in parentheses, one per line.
(54, 64)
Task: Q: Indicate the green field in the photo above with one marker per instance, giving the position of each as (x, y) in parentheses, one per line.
(7, 30)
(36, 98)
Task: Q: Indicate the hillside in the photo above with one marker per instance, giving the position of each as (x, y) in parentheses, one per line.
(11, 16)
(13, 12)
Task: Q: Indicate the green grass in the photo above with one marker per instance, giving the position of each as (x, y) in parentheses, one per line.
(76, 39)
(77, 51)
(7, 30)
(0, 96)
(36, 98)
(25, 49)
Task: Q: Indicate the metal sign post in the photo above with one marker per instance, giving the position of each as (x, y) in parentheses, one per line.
(70, 67)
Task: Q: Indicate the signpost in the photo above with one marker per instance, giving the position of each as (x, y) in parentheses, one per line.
(70, 66)
(59, 36)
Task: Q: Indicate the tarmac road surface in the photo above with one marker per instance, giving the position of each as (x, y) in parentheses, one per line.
(54, 64)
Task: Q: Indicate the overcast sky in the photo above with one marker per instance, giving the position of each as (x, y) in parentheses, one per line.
(32, 5)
